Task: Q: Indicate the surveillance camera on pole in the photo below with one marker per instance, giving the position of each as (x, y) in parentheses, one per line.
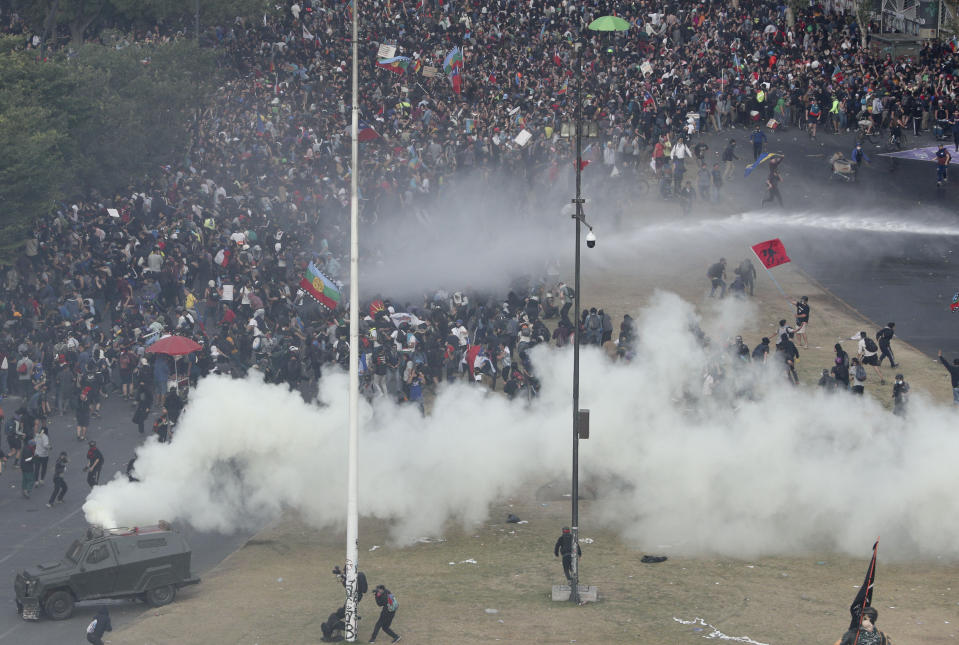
(590, 239)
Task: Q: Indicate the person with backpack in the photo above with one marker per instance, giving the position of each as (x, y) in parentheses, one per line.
(387, 601)
(594, 327)
(99, 625)
(858, 374)
(884, 338)
(869, 354)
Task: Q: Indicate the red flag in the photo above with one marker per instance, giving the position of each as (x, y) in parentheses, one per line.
(557, 60)
(771, 253)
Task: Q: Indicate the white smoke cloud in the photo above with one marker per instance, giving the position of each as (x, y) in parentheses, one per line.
(775, 470)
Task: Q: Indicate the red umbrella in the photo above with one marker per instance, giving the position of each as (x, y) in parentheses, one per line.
(174, 346)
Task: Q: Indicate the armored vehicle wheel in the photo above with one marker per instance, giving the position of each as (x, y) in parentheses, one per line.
(59, 605)
(161, 595)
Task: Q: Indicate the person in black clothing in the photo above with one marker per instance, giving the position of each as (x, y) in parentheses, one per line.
(716, 273)
(789, 355)
(383, 596)
(173, 405)
(900, 390)
(761, 351)
(840, 371)
(336, 622)
(99, 625)
(144, 397)
(772, 187)
(953, 374)
(162, 426)
(564, 547)
(94, 464)
(59, 485)
(883, 337)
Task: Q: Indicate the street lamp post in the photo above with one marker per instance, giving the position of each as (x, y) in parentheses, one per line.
(581, 417)
(579, 216)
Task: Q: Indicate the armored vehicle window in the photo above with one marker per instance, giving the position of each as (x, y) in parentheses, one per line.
(76, 549)
(98, 554)
(151, 543)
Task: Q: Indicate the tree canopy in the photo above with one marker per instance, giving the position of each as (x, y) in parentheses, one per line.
(99, 117)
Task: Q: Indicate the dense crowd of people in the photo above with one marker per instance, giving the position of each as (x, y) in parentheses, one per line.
(215, 248)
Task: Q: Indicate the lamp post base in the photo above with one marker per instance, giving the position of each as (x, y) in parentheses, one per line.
(586, 593)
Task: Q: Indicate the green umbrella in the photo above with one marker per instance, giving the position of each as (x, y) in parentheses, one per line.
(609, 23)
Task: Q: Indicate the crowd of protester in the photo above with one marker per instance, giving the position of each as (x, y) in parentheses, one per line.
(214, 248)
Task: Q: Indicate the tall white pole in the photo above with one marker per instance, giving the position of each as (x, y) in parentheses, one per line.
(352, 504)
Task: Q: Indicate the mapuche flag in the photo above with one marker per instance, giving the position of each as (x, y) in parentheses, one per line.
(771, 253)
(863, 599)
(452, 66)
(320, 287)
(397, 64)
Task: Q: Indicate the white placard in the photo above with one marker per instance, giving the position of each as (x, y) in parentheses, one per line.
(523, 137)
(646, 68)
(429, 71)
(386, 51)
(227, 293)
(112, 212)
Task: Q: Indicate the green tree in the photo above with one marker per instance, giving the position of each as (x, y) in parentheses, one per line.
(99, 118)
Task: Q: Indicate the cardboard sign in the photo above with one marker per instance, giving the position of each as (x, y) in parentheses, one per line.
(429, 71)
(112, 212)
(523, 137)
(386, 51)
(646, 68)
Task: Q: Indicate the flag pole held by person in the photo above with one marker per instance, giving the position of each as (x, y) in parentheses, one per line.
(771, 253)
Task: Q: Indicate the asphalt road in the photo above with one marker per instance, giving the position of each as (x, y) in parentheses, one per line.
(884, 244)
(31, 533)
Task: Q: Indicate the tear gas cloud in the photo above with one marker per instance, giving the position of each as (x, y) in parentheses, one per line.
(782, 470)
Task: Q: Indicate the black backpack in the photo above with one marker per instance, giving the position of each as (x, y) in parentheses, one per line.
(361, 584)
(871, 345)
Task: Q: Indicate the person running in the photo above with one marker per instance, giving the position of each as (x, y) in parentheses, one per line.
(772, 187)
(387, 601)
(59, 484)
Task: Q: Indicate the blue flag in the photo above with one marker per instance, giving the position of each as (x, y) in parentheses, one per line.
(766, 156)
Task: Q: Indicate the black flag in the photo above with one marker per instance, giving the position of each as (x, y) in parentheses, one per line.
(864, 597)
